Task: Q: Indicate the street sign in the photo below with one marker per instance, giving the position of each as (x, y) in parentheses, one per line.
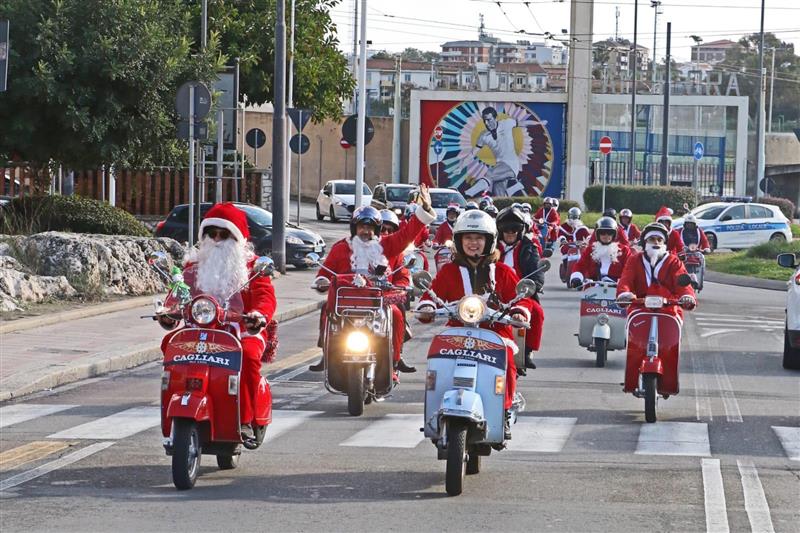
(255, 138)
(200, 130)
(4, 50)
(350, 127)
(437, 147)
(344, 144)
(300, 117)
(299, 143)
(698, 151)
(438, 132)
(202, 100)
(606, 145)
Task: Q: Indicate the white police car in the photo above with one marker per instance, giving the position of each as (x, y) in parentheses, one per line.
(791, 334)
(740, 224)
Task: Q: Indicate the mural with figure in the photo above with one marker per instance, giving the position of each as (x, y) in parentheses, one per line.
(494, 148)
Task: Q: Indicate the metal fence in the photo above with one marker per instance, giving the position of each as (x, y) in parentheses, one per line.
(711, 179)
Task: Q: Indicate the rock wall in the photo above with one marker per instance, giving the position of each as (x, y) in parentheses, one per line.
(54, 265)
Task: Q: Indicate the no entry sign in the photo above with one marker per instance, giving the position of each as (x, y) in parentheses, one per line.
(605, 145)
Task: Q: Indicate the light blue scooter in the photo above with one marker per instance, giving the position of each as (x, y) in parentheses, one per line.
(465, 385)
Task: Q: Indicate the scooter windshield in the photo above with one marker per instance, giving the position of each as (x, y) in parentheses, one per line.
(235, 302)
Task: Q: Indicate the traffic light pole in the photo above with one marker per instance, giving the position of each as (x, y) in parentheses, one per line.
(279, 137)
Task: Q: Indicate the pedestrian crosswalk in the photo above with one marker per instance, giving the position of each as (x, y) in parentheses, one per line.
(711, 324)
(531, 434)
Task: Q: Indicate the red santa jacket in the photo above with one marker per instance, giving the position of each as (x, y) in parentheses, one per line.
(444, 233)
(573, 234)
(701, 240)
(394, 245)
(642, 279)
(632, 232)
(587, 268)
(552, 217)
(452, 283)
(675, 242)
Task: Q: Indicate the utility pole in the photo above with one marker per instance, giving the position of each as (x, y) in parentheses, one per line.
(398, 115)
(655, 4)
(353, 104)
(762, 83)
(362, 106)
(290, 104)
(771, 89)
(665, 111)
(279, 210)
(204, 25)
(616, 24)
(631, 170)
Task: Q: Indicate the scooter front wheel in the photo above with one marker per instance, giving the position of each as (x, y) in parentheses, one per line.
(649, 383)
(185, 454)
(456, 457)
(355, 390)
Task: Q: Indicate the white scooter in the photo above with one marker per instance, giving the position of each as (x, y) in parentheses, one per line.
(602, 322)
(465, 386)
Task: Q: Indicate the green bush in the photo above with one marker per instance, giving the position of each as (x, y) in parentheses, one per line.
(535, 201)
(35, 214)
(637, 198)
(787, 207)
(771, 249)
(641, 221)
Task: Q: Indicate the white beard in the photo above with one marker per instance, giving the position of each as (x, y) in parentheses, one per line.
(609, 252)
(573, 222)
(221, 266)
(366, 254)
(655, 252)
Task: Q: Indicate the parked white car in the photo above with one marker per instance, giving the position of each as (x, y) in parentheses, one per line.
(441, 199)
(740, 224)
(791, 333)
(338, 197)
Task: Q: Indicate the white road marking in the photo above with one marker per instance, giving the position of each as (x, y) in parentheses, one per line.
(755, 502)
(732, 411)
(674, 438)
(117, 426)
(714, 332)
(283, 421)
(391, 431)
(540, 433)
(744, 321)
(714, 495)
(288, 376)
(22, 412)
(46, 468)
(790, 440)
(702, 402)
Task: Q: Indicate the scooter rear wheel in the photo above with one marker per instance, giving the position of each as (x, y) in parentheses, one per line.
(649, 383)
(185, 454)
(456, 457)
(601, 349)
(355, 390)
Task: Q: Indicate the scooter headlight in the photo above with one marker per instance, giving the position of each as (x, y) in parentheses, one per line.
(654, 302)
(204, 311)
(602, 319)
(357, 342)
(471, 309)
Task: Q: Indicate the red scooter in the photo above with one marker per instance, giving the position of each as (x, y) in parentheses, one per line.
(570, 254)
(200, 385)
(443, 254)
(654, 340)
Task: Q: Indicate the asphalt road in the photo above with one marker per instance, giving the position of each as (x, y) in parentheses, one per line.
(582, 458)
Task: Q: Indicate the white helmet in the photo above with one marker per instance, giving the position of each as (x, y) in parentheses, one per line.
(475, 221)
(626, 213)
(689, 219)
(555, 203)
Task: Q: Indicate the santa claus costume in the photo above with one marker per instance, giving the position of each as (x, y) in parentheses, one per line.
(549, 214)
(600, 260)
(674, 241)
(630, 229)
(219, 268)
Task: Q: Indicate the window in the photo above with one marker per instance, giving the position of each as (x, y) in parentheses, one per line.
(398, 194)
(378, 194)
(734, 213)
(350, 188)
(520, 80)
(709, 213)
(440, 200)
(257, 215)
(328, 188)
(369, 77)
(758, 211)
(407, 77)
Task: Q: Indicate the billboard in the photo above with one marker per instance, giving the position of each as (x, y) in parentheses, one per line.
(494, 148)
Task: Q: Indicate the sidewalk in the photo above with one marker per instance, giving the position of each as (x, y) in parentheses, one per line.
(41, 354)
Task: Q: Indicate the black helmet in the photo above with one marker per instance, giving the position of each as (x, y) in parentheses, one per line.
(606, 224)
(390, 218)
(366, 215)
(610, 212)
(453, 208)
(511, 219)
(485, 202)
(470, 206)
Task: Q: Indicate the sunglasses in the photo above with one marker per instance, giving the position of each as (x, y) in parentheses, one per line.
(222, 233)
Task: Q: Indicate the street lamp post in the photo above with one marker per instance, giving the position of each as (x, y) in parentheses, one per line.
(655, 4)
(631, 170)
(762, 83)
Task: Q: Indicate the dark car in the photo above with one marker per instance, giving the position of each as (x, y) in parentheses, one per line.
(393, 196)
(299, 242)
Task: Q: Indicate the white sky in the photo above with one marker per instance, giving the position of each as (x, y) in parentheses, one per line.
(425, 24)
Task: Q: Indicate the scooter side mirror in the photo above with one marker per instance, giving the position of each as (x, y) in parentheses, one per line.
(544, 266)
(547, 253)
(158, 259)
(684, 280)
(311, 259)
(422, 280)
(380, 270)
(787, 260)
(264, 266)
(526, 288)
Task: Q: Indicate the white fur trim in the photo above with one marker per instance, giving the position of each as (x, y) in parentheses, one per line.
(521, 310)
(425, 217)
(425, 303)
(511, 344)
(576, 275)
(222, 223)
(651, 233)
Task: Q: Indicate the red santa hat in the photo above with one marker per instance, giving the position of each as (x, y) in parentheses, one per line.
(664, 213)
(229, 217)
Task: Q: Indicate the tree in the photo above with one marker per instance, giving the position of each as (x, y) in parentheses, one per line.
(415, 54)
(94, 81)
(321, 75)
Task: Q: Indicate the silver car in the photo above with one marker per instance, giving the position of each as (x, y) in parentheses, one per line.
(338, 197)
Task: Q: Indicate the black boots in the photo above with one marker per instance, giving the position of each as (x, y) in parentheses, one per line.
(529, 360)
(401, 366)
(318, 367)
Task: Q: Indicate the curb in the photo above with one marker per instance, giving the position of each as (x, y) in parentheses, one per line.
(75, 314)
(744, 281)
(106, 363)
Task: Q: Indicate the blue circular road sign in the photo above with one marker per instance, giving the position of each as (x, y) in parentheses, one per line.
(437, 147)
(698, 150)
